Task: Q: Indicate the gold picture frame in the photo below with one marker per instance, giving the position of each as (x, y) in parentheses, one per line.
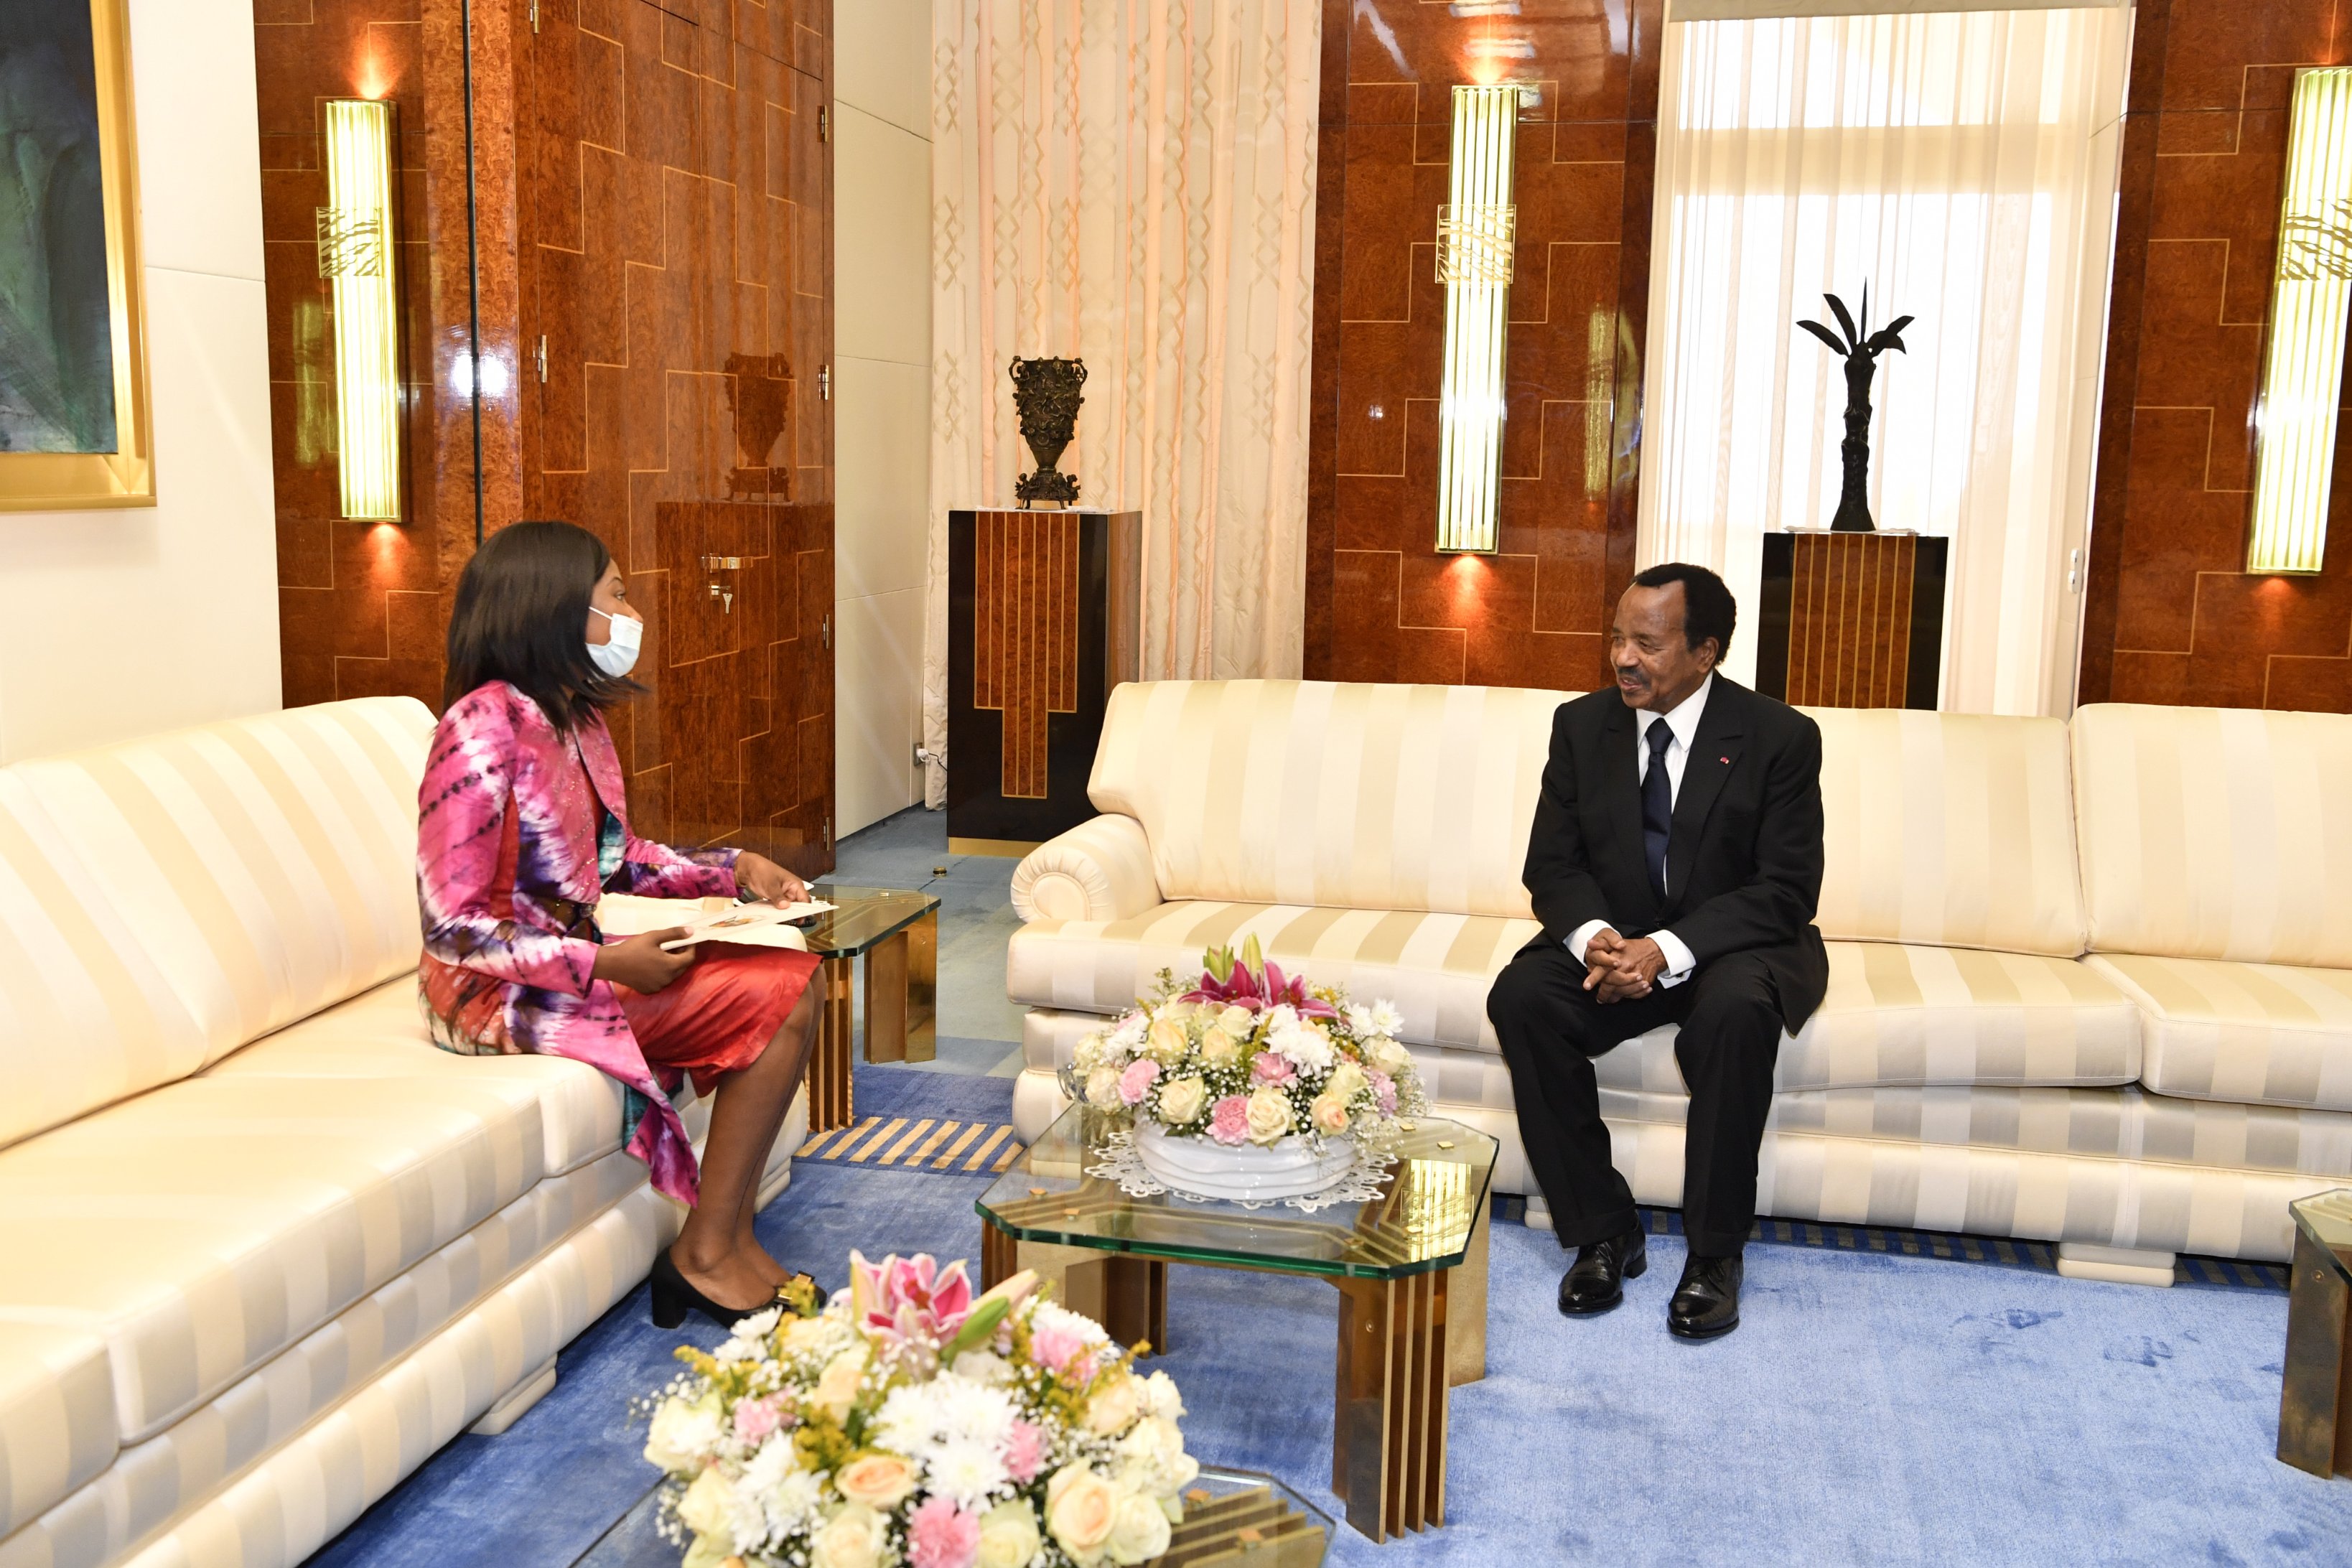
(59, 481)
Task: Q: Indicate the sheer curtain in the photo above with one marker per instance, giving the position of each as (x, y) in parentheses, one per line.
(1963, 167)
(1134, 183)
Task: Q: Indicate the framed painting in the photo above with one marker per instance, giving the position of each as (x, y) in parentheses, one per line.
(73, 361)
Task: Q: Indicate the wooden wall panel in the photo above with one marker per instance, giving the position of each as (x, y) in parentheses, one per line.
(677, 259)
(1381, 604)
(2170, 615)
(649, 193)
(361, 606)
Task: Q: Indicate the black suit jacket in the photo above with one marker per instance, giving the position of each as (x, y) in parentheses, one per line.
(1743, 862)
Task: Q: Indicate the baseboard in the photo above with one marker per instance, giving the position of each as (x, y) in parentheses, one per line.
(2115, 1265)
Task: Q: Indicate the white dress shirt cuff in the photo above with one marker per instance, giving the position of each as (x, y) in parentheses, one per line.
(1583, 935)
(1680, 960)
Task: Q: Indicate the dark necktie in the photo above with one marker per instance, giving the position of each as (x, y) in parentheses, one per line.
(1657, 806)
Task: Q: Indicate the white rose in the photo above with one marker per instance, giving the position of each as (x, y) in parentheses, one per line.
(1139, 1531)
(707, 1508)
(1114, 1408)
(852, 1538)
(705, 1553)
(1237, 1021)
(1219, 1047)
(1347, 1081)
(836, 1388)
(1008, 1535)
(983, 1367)
(1391, 1058)
(1081, 1508)
(1102, 1089)
(1160, 1398)
(1181, 1101)
(1166, 1043)
(1269, 1114)
(683, 1435)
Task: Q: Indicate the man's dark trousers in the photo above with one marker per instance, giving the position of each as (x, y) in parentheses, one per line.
(1551, 1028)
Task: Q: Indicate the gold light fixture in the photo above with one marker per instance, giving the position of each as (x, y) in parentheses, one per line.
(356, 257)
(1475, 231)
(2303, 365)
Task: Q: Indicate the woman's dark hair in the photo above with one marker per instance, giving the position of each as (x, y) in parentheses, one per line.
(521, 616)
(1708, 608)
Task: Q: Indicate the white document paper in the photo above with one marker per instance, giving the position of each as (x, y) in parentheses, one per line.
(705, 920)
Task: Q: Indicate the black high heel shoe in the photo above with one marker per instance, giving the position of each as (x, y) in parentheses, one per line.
(674, 1297)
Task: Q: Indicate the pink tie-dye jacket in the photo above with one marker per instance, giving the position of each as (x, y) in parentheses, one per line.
(507, 883)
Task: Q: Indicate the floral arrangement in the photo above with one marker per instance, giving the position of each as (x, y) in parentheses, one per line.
(908, 1422)
(1250, 1056)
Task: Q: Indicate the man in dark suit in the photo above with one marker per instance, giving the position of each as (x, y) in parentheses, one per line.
(1675, 862)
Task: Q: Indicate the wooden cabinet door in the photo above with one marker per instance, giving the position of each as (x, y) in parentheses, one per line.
(675, 214)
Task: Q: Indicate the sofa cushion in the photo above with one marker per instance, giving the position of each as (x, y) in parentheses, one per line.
(57, 1415)
(267, 865)
(1912, 1016)
(1893, 1015)
(1309, 792)
(2218, 833)
(1435, 967)
(2260, 1034)
(380, 1033)
(205, 1226)
(2123, 1123)
(86, 1015)
(1947, 829)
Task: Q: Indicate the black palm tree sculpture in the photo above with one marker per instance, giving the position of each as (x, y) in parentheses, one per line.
(1860, 348)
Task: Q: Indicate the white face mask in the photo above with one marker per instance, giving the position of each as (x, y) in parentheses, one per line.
(619, 656)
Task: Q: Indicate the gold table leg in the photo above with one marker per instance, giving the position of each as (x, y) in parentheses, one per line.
(2315, 1396)
(902, 994)
(1127, 1295)
(923, 987)
(885, 999)
(1388, 1437)
(829, 1071)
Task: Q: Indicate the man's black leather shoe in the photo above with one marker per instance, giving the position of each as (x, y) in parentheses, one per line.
(1706, 1302)
(1596, 1281)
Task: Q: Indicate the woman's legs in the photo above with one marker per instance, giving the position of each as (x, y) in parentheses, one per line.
(715, 1250)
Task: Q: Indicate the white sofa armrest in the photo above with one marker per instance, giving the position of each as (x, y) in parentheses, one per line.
(1098, 871)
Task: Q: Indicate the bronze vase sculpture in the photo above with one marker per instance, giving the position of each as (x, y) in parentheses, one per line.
(1046, 397)
(1860, 348)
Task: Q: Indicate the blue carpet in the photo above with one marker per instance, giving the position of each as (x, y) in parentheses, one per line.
(1874, 1408)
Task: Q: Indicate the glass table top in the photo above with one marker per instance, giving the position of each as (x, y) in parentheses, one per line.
(1423, 1221)
(2327, 1219)
(861, 917)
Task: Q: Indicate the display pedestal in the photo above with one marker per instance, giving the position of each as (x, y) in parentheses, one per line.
(1852, 620)
(1043, 618)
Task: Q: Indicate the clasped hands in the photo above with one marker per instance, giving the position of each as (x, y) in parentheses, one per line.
(1620, 970)
(639, 962)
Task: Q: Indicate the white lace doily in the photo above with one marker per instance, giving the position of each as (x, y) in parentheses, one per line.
(1118, 1162)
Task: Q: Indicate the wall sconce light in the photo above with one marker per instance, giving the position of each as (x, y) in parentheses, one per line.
(2303, 365)
(1475, 231)
(357, 258)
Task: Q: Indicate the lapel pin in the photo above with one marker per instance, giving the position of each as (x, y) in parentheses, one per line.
(1725, 761)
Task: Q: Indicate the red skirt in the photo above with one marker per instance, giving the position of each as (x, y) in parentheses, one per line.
(718, 1016)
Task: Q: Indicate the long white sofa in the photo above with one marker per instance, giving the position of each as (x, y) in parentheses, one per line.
(2090, 982)
(263, 1248)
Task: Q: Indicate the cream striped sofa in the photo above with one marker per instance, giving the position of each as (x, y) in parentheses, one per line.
(265, 1247)
(2157, 1068)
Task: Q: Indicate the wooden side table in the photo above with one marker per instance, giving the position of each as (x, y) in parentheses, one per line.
(2315, 1396)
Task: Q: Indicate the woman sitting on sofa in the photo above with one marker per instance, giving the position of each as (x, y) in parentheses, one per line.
(522, 825)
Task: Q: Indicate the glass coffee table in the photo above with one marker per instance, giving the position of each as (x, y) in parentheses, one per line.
(2314, 1397)
(1409, 1266)
(1237, 1518)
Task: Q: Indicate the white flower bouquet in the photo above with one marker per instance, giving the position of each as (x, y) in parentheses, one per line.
(908, 1422)
(1252, 1057)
